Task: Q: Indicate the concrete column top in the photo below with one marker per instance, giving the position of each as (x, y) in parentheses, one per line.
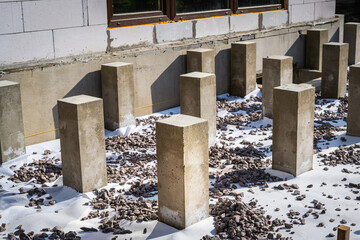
(80, 99)
(116, 64)
(181, 120)
(243, 43)
(200, 50)
(295, 87)
(335, 44)
(278, 57)
(355, 66)
(197, 75)
(317, 30)
(352, 23)
(6, 83)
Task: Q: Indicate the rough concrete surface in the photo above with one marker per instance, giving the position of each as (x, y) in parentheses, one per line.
(352, 37)
(313, 53)
(334, 70)
(201, 60)
(117, 84)
(243, 68)
(82, 140)
(198, 99)
(293, 128)
(183, 170)
(12, 143)
(277, 71)
(156, 73)
(305, 75)
(353, 118)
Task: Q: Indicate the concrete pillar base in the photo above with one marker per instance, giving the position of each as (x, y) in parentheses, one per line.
(353, 118)
(198, 99)
(117, 81)
(315, 38)
(293, 128)
(12, 140)
(183, 170)
(201, 60)
(277, 71)
(243, 68)
(82, 140)
(352, 37)
(334, 70)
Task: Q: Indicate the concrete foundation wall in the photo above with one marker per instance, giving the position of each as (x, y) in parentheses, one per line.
(157, 71)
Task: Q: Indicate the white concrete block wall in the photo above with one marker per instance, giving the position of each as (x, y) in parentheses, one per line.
(174, 31)
(244, 22)
(97, 12)
(51, 29)
(24, 47)
(324, 10)
(11, 17)
(44, 15)
(75, 41)
(302, 13)
(275, 19)
(130, 36)
(211, 26)
(310, 10)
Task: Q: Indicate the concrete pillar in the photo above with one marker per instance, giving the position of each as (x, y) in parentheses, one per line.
(118, 94)
(277, 71)
(305, 75)
(353, 118)
(201, 60)
(198, 99)
(340, 33)
(352, 37)
(334, 70)
(293, 128)
(183, 170)
(313, 54)
(82, 139)
(343, 232)
(12, 141)
(243, 68)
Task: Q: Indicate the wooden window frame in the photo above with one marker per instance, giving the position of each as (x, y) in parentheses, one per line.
(168, 13)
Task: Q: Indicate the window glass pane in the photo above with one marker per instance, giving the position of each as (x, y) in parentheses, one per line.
(185, 6)
(252, 3)
(132, 6)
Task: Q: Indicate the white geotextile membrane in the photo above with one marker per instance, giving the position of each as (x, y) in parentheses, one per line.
(70, 208)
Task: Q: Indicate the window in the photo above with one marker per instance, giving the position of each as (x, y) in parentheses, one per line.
(135, 12)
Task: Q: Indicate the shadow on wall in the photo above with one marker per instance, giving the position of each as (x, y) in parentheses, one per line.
(297, 51)
(90, 84)
(223, 71)
(165, 91)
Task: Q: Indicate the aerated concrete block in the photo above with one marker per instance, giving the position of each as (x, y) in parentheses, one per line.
(353, 118)
(313, 53)
(352, 37)
(82, 140)
(183, 170)
(293, 128)
(117, 81)
(334, 70)
(198, 99)
(243, 68)
(277, 71)
(12, 141)
(201, 60)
